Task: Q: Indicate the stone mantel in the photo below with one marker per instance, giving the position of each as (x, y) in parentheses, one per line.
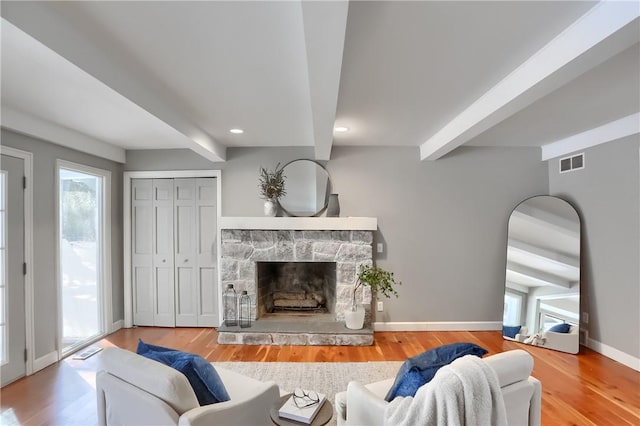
(300, 223)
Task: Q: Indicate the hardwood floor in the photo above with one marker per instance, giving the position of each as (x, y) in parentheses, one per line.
(588, 389)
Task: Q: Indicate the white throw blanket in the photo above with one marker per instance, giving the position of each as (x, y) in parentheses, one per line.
(465, 392)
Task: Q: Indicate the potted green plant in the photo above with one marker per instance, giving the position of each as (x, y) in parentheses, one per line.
(380, 281)
(271, 184)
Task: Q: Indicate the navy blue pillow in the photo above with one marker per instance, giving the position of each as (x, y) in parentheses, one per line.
(511, 330)
(561, 328)
(420, 369)
(203, 378)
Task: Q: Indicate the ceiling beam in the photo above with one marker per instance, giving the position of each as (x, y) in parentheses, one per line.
(325, 25)
(111, 66)
(559, 61)
(617, 129)
(42, 129)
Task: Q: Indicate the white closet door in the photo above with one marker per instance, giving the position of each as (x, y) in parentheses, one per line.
(164, 300)
(206, 223)
(186, 290)
(141, 251)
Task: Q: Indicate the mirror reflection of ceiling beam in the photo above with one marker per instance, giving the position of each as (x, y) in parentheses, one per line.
(533, 277)
(519, 247)
(549, 220)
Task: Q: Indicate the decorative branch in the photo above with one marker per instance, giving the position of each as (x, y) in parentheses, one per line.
(272, 183)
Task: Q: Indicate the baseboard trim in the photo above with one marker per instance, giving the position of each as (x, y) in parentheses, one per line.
(615, 354)
(45, 361)
(438, 326)
(117, 325)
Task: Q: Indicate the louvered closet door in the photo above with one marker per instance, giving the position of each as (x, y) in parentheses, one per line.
(163, 253)
(206, 223)
(186, 290)
(141, 251)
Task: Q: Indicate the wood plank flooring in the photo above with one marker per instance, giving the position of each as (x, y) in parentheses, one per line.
(587, 389)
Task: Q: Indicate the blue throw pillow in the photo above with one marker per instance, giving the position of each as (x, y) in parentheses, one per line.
(511, 330)
(561, 328)
(420, 369)
(204, 379)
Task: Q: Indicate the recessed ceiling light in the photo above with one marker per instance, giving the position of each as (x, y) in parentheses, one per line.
(237, 131)
(341, 129)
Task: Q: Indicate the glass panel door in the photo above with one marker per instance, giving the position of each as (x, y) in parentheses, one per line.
(80, 233)
(3, 268)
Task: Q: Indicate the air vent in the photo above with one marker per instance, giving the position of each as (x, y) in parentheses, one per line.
(569, 164)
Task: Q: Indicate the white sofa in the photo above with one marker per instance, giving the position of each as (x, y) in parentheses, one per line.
(134, 390)
(365, 405)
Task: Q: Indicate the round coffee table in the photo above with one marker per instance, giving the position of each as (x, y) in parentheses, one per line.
(322, 418)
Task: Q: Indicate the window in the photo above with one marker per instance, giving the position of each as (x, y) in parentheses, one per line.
(3, 269)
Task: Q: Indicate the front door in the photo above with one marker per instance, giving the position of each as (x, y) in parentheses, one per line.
(12, 282)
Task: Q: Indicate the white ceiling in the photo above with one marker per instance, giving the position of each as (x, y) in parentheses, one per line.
(169, 74)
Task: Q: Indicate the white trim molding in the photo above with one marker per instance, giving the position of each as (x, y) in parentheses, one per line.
(126, 223)
(438, 326)
(300, 223)
(27, 158)
(117, 325)
(615, 354)
(45, 361)
(617, 129)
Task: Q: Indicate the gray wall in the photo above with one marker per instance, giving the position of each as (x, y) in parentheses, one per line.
(45, 292)
(443, 223)
(606, 194)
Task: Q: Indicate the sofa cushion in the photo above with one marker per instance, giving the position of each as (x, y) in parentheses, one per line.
(202, 376)
(511, 330)
(420, 369)
(561, 328)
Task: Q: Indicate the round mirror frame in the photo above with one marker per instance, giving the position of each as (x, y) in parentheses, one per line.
(326, 201)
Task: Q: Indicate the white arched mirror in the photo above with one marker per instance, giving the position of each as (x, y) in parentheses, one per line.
(542, 285)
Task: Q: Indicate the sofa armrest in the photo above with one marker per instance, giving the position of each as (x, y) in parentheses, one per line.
(535, 409)
(253, 410)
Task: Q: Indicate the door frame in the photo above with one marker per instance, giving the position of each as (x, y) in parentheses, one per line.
(126, 224)
(27, 158)
(106, 305)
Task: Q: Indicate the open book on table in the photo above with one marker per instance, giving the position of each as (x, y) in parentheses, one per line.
(302, 406)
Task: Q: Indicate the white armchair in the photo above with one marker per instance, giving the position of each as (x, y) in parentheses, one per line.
(565, 342)
(134, 390)
(365, 404)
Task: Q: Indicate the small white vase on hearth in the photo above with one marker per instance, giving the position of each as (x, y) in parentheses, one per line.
(270, 208)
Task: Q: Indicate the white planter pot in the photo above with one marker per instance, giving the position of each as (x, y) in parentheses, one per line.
(354, 319)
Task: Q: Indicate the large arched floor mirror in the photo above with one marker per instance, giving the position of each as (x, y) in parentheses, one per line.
(542, 284)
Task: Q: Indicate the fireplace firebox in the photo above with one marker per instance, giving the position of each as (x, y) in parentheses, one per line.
(295, 287)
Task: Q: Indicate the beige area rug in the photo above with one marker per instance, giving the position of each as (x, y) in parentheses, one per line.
(325, 377)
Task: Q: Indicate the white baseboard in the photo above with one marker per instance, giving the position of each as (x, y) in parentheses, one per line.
(117, 325)
(45, 361)
(438, 326)
(615, 354)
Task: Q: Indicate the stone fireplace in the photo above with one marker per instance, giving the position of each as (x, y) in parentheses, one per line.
(288, 272)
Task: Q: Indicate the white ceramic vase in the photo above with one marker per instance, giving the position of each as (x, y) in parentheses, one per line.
(270, 208)
(354, 320)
